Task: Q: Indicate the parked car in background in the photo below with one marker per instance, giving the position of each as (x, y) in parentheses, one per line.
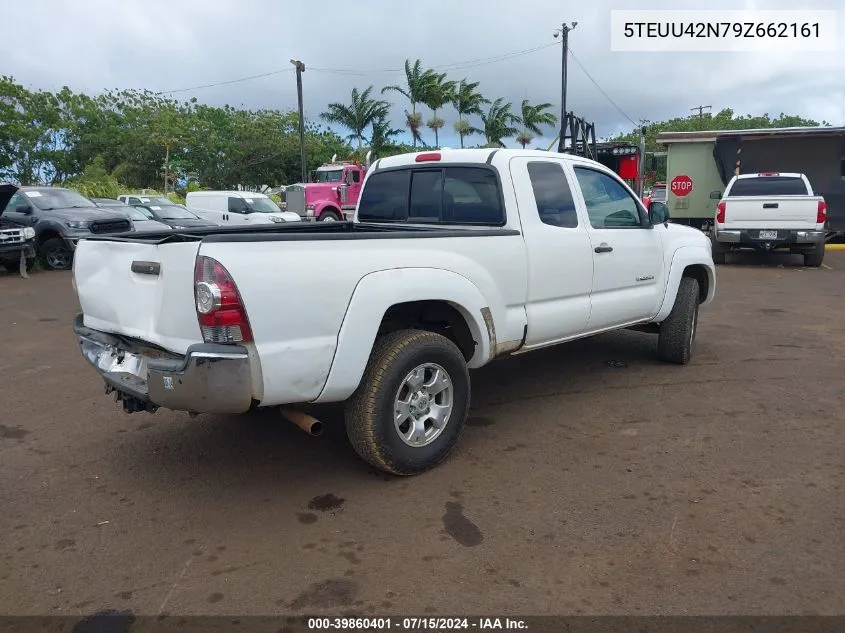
(770, 211)
(657, 193)
(453, 259)
(16, 242)
(60, 218)
(237, 207)
(174, 215)
(142, 220)
(135, 198)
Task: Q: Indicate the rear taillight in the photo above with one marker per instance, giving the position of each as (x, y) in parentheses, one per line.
(220, 310)
(720, 215)
(821, 214)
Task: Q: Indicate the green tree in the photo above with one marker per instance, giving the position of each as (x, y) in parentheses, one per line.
(441, 92)
(418, 84)
(359, 114)
(96, 182)
(467, 101)
(382, 135)
(532, 117)
(725, 119)
(498, 123)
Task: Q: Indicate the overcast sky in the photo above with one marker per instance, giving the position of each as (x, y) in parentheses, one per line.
(163, 45)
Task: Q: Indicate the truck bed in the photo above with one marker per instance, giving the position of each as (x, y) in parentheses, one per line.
(296, 283)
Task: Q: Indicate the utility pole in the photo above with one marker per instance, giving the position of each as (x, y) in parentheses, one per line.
(563, 33)
(300, 68)
(641, 170)
(701, 110)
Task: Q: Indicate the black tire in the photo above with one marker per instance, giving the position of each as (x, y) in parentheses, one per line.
(15, 266)
(330, 216)
(815, 257)
(719, 252)
(55, 255)
(677, 333)
(370, 411)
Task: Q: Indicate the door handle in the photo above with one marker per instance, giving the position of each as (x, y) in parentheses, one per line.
(603, 248)
(770, 205)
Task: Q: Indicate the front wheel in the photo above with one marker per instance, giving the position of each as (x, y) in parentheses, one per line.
(677, 333)
(55, 254)
(410, 408)
(14, 266)
(329, 216)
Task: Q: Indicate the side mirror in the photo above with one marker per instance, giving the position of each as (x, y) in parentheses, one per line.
(658, 213)
(715, 195)
(23, 207)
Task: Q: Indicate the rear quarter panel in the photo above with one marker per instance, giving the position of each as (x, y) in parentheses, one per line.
(296, 313)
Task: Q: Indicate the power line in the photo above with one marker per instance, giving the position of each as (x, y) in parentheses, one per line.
(341, 71)
(231, 81)
(595, 83)
(472, 63)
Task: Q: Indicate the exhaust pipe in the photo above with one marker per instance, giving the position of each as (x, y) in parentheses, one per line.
(307, 423)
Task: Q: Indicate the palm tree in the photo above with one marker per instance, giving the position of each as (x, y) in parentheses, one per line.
(533, 116)
(467, 102)
(382, 135)
(418, 83)
(498, 122)
(359, 114)
(440, 93)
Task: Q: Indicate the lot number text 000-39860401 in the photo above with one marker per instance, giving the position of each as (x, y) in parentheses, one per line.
(414, 624)
(723, 31)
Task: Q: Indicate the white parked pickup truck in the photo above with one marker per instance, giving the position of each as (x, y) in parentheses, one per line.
(769, 211)
(454, 258)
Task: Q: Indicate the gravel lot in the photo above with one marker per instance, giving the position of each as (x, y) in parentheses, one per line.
(590, 479)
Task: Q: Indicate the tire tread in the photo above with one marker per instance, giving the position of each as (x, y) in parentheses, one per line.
(362, 408)
(673, 342)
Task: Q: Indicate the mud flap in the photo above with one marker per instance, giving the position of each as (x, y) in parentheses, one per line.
(22, 268)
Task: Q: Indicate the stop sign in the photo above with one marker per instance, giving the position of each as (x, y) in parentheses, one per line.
(681, 185)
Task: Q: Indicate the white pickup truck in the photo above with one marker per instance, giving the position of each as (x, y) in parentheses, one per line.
(769, 211)
(454, 259)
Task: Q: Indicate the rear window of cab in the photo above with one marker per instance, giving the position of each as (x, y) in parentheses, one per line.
(768, 186)
(433, 195)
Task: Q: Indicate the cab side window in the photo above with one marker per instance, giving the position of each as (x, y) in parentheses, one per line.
(609, 205)
(552, 194)
(237, 205)
(15, 200)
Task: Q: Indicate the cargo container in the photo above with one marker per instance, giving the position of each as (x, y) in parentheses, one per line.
(699, 165)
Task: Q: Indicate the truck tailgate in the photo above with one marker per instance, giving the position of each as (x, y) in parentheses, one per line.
(783, 212)
(140, 290)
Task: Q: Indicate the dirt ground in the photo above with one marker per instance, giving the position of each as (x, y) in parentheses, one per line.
(591, 479)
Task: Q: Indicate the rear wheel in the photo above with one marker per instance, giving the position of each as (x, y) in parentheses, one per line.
(677, 333)
(55, 255)
(409, 410)
(329, 216)
(815, 257)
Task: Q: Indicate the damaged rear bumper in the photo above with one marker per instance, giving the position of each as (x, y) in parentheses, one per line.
(209, 378)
